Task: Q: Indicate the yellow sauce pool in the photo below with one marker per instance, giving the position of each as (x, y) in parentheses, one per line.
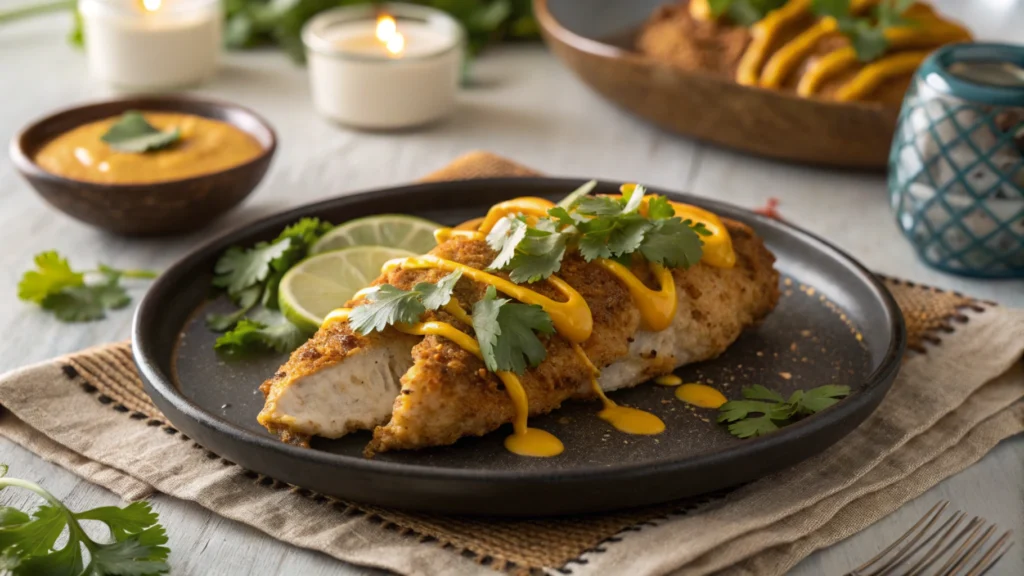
(700, 395)
(205, 146)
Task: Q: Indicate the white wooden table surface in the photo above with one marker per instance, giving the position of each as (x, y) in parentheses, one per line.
(524, 105)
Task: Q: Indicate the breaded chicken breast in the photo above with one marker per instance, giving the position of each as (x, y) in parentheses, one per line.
(416, 391)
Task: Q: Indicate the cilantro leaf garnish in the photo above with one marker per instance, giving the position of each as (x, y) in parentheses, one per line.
(532, 253)
(250, 335)
(763, 410)
(387, 305)
(132, 133)
(251, 276)
(28, 543)
(506, 332)
(744, 12)
(65, 292)
(866, 33)
(599, 227)
(584, 190)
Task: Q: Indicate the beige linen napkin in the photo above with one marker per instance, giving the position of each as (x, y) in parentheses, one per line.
(956, 397)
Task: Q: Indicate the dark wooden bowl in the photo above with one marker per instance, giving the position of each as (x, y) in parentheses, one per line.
(145, 209)
(595, 37)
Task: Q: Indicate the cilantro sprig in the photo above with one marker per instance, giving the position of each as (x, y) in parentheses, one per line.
(744, 12)
(866, 33)
(76, 296)
(387, 305)
(598, 227)
(251, 276)
(506, 332)
(763, 410)
(28, 544)
(132, 133)
(251, 335)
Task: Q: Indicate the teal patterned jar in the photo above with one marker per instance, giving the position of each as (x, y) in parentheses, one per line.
(956, 170)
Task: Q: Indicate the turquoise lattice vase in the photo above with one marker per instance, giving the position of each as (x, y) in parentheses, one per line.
(956, 170)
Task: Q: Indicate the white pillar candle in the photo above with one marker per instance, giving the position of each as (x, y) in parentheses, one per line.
(152, 44)
(384, 67)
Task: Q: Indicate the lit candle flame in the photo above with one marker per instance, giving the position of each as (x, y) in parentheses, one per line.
(151, 5)
(387, 33)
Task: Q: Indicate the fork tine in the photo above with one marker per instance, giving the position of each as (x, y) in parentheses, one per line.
(926, 521)
(962, 557)
(968, 530)
(936, 551)
(989, 559)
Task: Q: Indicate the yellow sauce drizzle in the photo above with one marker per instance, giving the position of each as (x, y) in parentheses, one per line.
(529, 206)
(762, 34)
(877, 72)
(793, 52)
(700, 395)
(525, 441)
(929, 31)
(622, 418)
(657, 307)
(668, 380)
(571, 318)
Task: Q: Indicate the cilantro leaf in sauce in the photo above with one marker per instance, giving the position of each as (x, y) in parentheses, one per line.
(506, 332)
(133, 134)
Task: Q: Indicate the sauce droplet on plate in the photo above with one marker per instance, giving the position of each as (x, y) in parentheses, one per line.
(534, 442)
(668, 380)
(631, 420)
(700, 395)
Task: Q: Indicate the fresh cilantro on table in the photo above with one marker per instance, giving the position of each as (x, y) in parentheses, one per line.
(132, 133)
(28, 544)
(866, 33)
(763, 410)
(387, 305)
(598, 227)
(744, 12)
(507, 330)
(66, 293)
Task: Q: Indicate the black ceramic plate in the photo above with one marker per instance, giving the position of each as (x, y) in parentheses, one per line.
(835, 324)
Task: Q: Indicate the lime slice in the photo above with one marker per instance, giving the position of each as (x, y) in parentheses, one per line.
(390, 230)
(321, 283)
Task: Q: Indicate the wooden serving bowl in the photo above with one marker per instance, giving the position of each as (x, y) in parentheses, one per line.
(150, 209)
(595, 38)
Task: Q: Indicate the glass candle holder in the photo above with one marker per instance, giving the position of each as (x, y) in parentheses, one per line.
(152, 44)
(384, 66)
(956, 170)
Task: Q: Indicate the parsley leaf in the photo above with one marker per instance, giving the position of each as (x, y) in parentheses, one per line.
(505, 331)
(250, 335)
(504, 237)
(132, 133)
(772, 411)
(598, 206)
(387, 305)
(27, 543)
(59, 289)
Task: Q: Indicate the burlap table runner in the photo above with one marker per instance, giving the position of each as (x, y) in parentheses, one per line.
(957, 396)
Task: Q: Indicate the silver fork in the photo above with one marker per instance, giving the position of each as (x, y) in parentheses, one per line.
(907, 555)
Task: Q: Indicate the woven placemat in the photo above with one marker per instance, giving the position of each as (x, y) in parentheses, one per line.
(147, 456)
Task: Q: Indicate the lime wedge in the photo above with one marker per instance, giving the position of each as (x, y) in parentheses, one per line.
(321, 283)
(390, 230)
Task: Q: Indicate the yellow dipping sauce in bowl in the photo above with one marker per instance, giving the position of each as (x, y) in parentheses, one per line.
(205, 146)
